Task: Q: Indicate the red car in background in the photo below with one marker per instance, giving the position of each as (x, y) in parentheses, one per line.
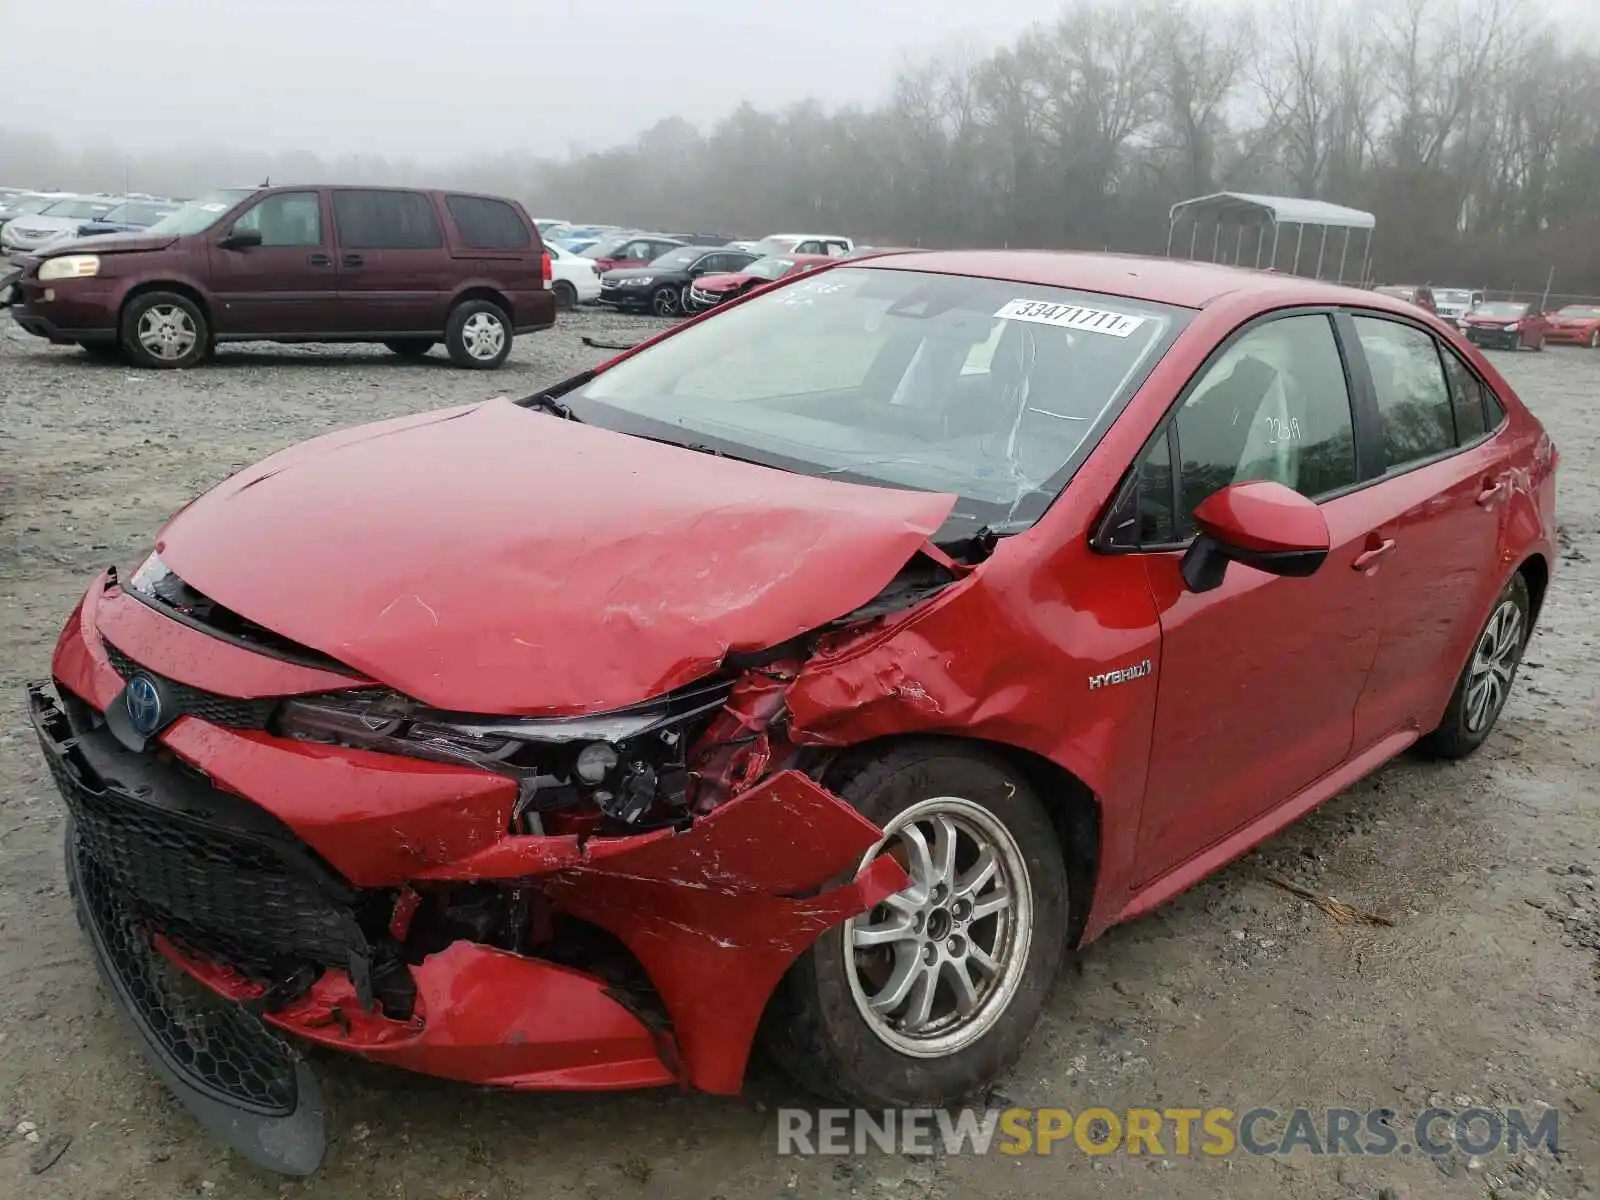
(1507, 325)
(1575, 325)
(826, 670)
(711, 290)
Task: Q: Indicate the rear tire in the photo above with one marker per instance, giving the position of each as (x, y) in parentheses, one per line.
(875, 1012)
(1485, 682)
(410, 347)
(478, 335)
(566, 295)
(165, 331)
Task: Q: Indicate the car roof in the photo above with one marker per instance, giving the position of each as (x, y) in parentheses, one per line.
(1138, 277)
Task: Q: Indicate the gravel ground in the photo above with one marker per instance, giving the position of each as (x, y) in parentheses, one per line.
(1237, 994)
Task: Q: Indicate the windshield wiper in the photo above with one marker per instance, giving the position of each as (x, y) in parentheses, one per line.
(549, 404)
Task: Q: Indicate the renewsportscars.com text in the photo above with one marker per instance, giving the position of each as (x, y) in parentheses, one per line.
(1164, 1132)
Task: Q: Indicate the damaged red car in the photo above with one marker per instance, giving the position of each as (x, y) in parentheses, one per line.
(822, 671)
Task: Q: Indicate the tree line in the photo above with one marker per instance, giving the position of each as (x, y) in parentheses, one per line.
(1469, 128)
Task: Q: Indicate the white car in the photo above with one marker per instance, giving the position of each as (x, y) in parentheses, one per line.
(25, 234)
(830, 244)
(573, 278)
(1454, 303)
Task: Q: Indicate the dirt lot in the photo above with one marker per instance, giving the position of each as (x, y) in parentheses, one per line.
(1483, 992)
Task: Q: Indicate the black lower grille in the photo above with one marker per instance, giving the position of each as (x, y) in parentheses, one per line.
(211, 870)
(216, 1046)
(199, 703)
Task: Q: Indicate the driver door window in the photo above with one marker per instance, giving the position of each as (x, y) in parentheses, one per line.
(285, 219)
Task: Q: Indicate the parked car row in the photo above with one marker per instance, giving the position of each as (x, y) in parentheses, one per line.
(31, 221)
(403, 267)
(1504, 324)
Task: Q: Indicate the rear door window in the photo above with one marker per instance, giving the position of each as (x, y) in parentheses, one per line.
(386, 220)
(1414, 401)
(487, 224)
(1467, 399)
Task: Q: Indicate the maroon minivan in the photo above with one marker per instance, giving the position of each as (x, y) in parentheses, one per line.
(405, 267)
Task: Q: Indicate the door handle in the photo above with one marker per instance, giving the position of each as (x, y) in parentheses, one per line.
(1491, 492)
(1367, 557)
(319, 260)
(353, 260)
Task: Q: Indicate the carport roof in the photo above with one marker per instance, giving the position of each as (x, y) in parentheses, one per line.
(1281, 210)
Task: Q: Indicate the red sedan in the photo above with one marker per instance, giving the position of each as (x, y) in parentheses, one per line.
(1575, 325)
(1507, 325)
(711, 290)
(826, 669)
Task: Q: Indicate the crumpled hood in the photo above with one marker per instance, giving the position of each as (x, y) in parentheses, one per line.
(723, 283)
(109, 243)
(493, 559)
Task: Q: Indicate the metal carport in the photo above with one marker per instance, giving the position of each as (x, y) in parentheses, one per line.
(1250, 217)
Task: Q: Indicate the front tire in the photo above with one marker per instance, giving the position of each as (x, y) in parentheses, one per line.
(664, 301)
(930, 996)
(165, 331)
(478, 335)
(1485, 682)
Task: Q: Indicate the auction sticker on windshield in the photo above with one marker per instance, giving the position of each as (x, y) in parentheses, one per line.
(1070, 316)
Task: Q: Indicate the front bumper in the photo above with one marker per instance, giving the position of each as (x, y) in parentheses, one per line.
(1493, 339)
(82, 310)
(700, 300)
(275, 874)
(626, 297)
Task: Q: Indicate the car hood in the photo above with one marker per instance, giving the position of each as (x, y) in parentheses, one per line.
(724, 283)
(628, 274)
(120, 243)
(496, 560)
(54, 224)
(1493, 321)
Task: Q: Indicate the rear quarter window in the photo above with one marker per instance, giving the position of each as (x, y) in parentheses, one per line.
(486, 224)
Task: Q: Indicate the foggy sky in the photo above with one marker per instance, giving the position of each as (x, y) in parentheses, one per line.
(437, 78)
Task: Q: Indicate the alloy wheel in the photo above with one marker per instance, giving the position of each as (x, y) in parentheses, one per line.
(664, 303)
(933, 967)
(483, 335)
(166, 332)
(1494, 663)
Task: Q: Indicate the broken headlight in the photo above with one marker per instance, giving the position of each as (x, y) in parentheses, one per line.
(627, 762)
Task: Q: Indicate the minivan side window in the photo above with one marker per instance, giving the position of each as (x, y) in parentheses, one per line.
(385, 220)
(285, 219)
(486, 224)
(1275, 406)
(1414, 404)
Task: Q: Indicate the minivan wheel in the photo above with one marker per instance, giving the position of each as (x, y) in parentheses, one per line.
(1485, 682)
(928, 997)
(410, 347)
(164, 330)
(566, 295)
(478, 335)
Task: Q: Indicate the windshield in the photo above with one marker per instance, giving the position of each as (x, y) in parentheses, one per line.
(985, 388)
(1583, 312)
(606, 245)
(79, 210)
(1453, 296)
(140, 212)
(769, 268)
(1500, 308)
(29, 205)
(677, 260)
(201, 214)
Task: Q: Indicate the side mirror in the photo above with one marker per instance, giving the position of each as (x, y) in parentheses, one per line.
(1260, 524)
(241, 239)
